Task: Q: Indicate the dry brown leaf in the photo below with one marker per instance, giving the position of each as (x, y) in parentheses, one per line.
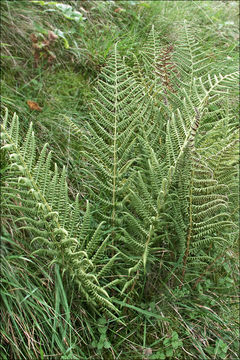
(33, 38)
(118, 10)
(52, 36)
(33, 105)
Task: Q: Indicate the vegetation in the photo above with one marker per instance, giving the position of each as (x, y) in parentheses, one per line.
(119, 180)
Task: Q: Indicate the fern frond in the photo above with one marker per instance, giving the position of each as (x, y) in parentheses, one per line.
(191, 102)
(39, 197)
(111, 141)
(190, 59)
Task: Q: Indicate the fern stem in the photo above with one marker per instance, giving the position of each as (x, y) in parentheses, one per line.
(189, 234)
(115, 141)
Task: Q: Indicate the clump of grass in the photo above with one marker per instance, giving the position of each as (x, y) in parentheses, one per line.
(34, 307)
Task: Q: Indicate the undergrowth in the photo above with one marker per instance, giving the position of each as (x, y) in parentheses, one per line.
(119, 180)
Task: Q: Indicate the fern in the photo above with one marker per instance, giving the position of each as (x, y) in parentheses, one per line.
(37, 197)
(190, 59)
(110, 142)
(176, 185)
(209, 219)
(153, 165)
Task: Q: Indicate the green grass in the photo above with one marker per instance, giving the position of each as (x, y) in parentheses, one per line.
(42, 312)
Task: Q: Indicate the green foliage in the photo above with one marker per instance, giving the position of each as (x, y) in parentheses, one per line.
(66, 10)
(46, 211)
(170, 344)
(220, 349)
(130, 211)
(103, 342)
